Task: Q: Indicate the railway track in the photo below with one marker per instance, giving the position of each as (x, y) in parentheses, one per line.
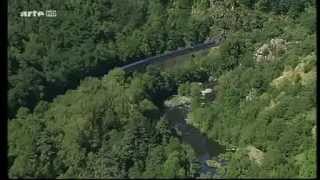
(170, 55)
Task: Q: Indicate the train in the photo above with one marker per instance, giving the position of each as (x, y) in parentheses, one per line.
(211, 42)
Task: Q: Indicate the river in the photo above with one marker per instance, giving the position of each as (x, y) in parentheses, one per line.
(204, 148)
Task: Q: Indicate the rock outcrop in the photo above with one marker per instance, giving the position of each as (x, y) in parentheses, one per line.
(255, 154)
(268, 52)
(300, 74)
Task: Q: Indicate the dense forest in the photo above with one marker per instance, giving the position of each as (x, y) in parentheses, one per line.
(72, 113)
(88, 38)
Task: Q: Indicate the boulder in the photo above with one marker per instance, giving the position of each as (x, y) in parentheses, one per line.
(206, 91)
(213, 163)
(313, 131)
(178, 101)
(252, 94)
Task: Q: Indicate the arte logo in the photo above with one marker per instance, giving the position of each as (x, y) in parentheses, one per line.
(34, 13)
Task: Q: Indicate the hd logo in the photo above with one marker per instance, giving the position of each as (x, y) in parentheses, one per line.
(34, 13)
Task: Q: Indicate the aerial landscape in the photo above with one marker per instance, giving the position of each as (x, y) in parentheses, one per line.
(162, 89)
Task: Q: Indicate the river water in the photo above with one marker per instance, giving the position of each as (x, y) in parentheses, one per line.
(204, 148)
